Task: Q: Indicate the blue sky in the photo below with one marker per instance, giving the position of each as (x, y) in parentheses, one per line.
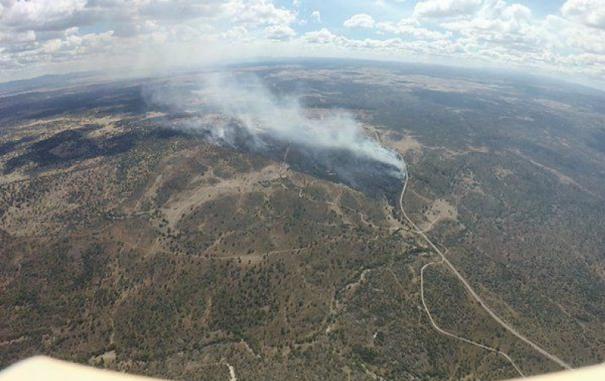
(559, 38)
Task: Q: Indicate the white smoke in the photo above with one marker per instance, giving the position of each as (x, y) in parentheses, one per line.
(264, 115)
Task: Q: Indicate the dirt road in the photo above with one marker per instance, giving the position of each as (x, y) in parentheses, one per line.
(472, 292)
(446, 333)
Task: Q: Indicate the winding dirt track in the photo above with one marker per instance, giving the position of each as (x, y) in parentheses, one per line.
(446, 333)
(475, 296)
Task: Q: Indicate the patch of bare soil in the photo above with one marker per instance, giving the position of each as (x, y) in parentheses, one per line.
(402, 143)
(440, 211)
(183, 202)
(502, 173)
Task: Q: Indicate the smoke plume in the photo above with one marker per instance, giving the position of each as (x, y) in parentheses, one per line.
(241, 111)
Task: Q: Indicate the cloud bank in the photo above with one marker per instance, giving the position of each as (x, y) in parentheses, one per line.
(44, 36)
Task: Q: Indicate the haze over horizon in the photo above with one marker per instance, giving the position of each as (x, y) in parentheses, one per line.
(563, 39)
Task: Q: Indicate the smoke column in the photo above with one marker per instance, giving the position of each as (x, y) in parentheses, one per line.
(247, 102)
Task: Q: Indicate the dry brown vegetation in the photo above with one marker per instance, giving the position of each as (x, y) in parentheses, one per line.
(127, 245)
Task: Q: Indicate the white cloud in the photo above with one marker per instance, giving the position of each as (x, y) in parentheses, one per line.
(179, 9)
(500, 21)
(38, 14)
(587, 12)
(279, 32)
(76, 33)
(360, 20)
(575, 38)
(259, 13)
(445, 8)
(38, 32)
(18, 37)
(410, 28)
(236, 33)
(324, 37)
(494, 33)
(382, 3)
